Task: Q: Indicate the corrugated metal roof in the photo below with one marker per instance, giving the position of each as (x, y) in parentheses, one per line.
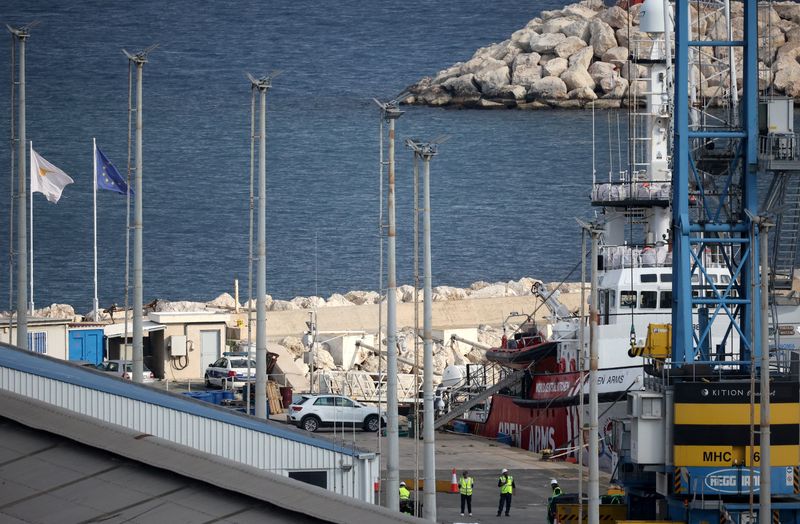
(28, 362)
(47, 478)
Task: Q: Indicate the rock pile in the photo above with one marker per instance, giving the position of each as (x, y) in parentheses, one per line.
(582, 53)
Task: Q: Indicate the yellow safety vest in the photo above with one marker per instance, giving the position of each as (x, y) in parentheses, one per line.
(507, 487)
(557, 491)
(404, 493)
(465, 485)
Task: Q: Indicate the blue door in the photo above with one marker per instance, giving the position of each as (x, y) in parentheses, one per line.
(86, 344)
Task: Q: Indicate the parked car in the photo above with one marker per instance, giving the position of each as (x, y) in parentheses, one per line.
(124, 369)
(230, 371)
(312, 412)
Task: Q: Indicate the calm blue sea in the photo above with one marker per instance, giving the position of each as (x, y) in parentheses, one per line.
(505, 188)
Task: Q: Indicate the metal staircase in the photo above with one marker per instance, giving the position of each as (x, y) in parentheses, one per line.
(784, 197)
(476, 399)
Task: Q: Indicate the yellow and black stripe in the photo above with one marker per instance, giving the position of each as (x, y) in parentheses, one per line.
(676, 481)
(796, 480)
(712, 424)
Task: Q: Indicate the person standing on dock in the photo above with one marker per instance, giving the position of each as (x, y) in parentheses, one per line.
(551, 502)
(506, 485)
(465, 484)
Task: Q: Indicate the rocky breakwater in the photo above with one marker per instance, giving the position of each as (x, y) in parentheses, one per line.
(583, 53)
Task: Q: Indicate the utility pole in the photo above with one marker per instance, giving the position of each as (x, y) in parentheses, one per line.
(139, 60)
(21, 34)
(263, 85)
(594, 305)
(427, 152)
(391, 113)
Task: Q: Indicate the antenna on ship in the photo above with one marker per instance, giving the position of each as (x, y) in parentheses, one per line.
(390, 113)
(20, 35)
(139, 59)
(263, 85)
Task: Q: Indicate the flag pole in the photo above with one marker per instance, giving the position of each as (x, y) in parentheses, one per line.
(96, 302)
(30, 303)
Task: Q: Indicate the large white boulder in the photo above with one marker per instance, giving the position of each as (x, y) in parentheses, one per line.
(548, 88)
(568, 47)
(580, 10)
(499, 289)
(64, 311)
(447, 293)
(337, 300)
(462, 86)
(602, 38)
(583, 58)
(522, 38)
(615, 17)
(556, 25)
(787, 79)
(600, 70)
(613, 86)
(788, 10)
(555, 67)
(493, 78)
(308, 302)
(547, 42)
(362, 297)
(577, 78)
(583, 93)
(616, 55)
(579, 28)
(224, 301)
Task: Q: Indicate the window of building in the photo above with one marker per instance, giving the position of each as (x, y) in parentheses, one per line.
(649, 300)
(666, 299)
(627, 299)
(37, 342)
(648, 277)
(666, 277)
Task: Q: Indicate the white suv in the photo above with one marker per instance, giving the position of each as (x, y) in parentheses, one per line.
(312, 412)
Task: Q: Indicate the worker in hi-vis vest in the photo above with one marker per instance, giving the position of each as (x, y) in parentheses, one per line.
(406, 506)
(506, 485)
(551, 503)
(465, 484)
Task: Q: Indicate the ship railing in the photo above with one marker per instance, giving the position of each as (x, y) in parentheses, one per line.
(618, 257)
(645, 190)
(779, 147)
(367, 387)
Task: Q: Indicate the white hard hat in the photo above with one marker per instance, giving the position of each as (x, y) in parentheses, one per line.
(553, 481)
(504, 471)
(402, 483)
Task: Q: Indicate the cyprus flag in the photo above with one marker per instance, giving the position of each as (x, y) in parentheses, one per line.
(46, 178)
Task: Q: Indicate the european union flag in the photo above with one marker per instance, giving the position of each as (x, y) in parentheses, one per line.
(107, 175)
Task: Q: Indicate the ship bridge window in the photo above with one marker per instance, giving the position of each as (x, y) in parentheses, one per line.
(627, 299)
(648, 277)
(666, 299)
(666, 277)
(649, 300)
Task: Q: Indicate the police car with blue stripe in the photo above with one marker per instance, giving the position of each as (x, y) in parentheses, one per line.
(231, 371)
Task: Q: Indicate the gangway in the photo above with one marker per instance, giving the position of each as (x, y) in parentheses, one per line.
(462, 408)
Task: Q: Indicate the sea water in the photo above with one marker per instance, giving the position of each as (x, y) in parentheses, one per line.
(505, 188)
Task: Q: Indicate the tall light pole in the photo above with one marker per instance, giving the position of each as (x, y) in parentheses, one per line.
(391, 113)
(427, 152)
(21, 34)
(263, 85)
(138, 60)
(594, 230)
